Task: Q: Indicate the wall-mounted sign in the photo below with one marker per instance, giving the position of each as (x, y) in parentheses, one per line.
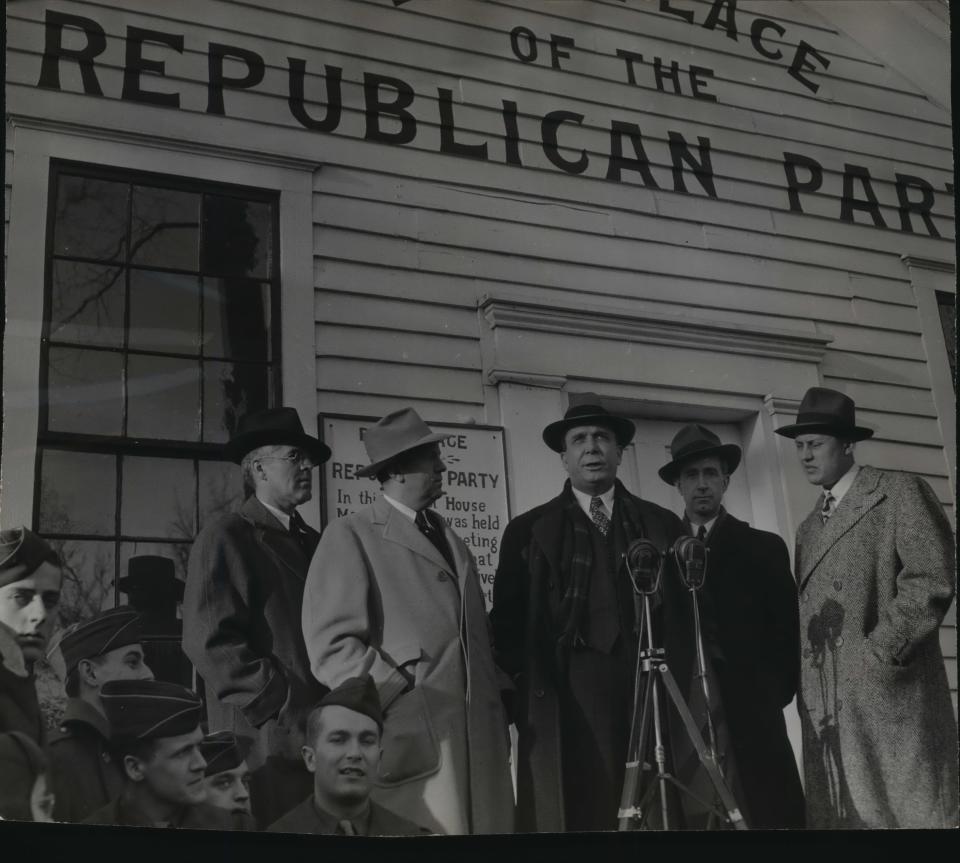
(475, 483)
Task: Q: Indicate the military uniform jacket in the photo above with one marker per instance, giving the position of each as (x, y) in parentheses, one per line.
(307, 818)
(83, 775)
(122, 812)
(19, 707)
(241, 629)
(879, 734)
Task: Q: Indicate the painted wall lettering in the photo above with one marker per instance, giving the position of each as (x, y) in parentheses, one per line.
(394, 113)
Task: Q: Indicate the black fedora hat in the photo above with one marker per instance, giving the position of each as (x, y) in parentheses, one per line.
(696, 441)
(151, 575)
(273, 426)
(826, 411)
(588, 415)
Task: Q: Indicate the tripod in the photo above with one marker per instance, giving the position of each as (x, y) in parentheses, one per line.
(645, 566)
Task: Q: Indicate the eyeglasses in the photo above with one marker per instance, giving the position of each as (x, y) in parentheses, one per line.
(294, 458)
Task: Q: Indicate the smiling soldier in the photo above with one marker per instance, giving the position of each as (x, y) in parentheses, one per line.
(106, 647)
(155, 736)
(563, 622)
(343, 753)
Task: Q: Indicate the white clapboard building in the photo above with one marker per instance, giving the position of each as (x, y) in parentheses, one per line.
(488, 209)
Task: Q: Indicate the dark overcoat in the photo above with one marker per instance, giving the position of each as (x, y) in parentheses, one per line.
(19, 706)
(754, 599)
(241, 629)
(528, 589)
(381, 822)
(83, 774)
(879, 733)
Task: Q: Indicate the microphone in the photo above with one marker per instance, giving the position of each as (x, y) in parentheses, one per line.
(690, 554)
(644, 566)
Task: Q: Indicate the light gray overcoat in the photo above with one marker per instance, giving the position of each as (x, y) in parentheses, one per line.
(879, 733)
(379, 597)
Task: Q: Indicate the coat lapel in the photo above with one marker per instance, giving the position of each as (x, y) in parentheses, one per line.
(856, 503)
(399, 529)
(272, 536)
(548, 530)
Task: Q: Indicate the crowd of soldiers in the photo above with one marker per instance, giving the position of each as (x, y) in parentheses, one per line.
(354, 682)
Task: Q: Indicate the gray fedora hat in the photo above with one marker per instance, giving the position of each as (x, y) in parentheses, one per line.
(395, 434)
(696, 441)
(826, 411)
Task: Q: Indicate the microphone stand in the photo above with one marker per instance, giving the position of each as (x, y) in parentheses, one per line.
(653, 672)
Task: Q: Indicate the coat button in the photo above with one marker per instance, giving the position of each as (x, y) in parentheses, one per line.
(441, 576)
(838, 586)
(538, 693)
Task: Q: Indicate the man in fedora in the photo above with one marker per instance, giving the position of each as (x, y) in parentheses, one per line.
(241, 606)
(876, 573)
(564, 628)
(155, 737)
(393, 592)
(342, 752)
(106, 647)
(754, 599)
(152, 586)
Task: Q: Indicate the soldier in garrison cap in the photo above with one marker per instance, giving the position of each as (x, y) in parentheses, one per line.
(106, 647)
(342, 752)
(30, 580)
(227, 776)
(155, 736)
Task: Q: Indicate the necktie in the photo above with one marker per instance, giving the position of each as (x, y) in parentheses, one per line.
(435, 535)
(346, 828)
(828, 504)
(702, 533)
(598, 516)
(298, 530)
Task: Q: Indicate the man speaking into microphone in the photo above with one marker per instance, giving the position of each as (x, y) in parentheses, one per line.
(752, 593)
(564, 627)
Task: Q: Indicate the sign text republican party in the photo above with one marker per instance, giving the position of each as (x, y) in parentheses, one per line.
(474, 503)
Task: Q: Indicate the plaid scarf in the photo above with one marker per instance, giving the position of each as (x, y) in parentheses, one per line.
(576, 546)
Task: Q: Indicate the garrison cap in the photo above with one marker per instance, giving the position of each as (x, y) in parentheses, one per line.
(224, 750)
(149, 709)
(22, 553)
(356, 693)
(107, 631)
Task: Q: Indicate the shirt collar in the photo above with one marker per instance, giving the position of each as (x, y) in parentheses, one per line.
(584, 499)
(361, 822)
(400, 507)
(842, 485)
(281, 516)
(708, 526)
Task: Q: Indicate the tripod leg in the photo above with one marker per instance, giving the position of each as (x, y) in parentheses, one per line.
(706, 758)
(630, 810)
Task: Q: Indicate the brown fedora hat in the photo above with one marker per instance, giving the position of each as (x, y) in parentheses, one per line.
(273, 426)
(588, 415)
(696, 441)
(395, 434)
(826, 411)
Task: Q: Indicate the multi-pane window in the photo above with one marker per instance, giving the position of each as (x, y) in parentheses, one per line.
(161, 329)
